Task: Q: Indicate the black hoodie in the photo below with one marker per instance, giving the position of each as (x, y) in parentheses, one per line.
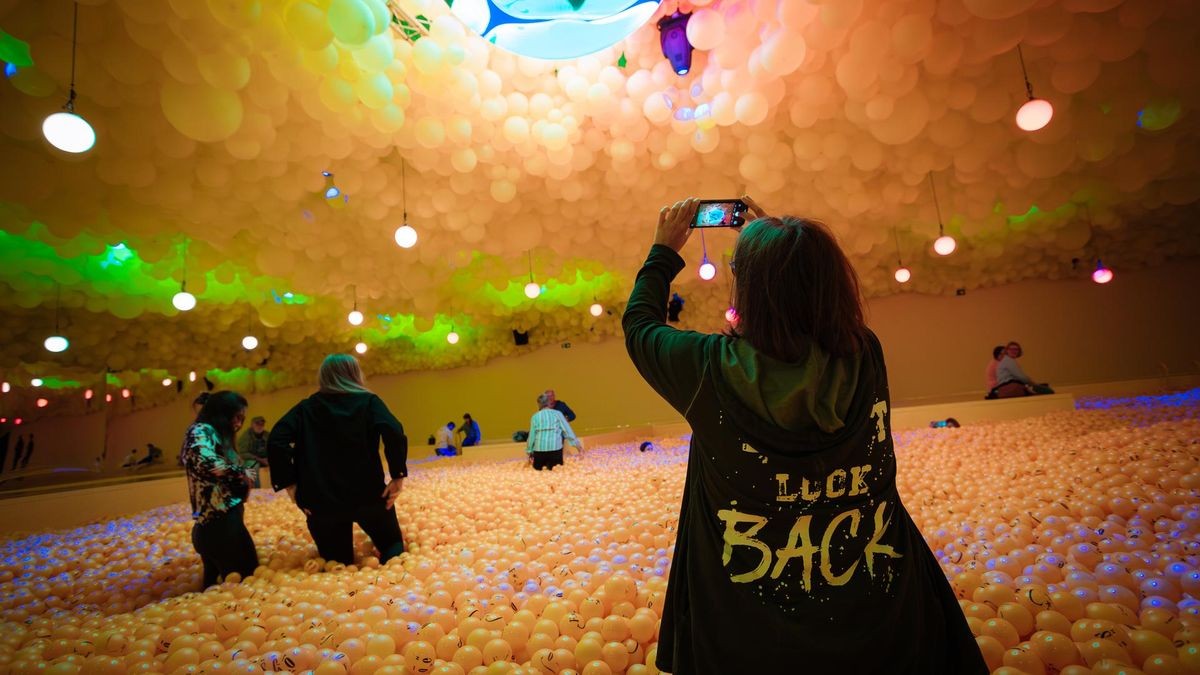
(794, 553)
(328, 447)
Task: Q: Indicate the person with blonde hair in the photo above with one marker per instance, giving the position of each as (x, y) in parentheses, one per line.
(325, 453)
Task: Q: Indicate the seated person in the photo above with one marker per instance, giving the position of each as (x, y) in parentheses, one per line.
(1013, 382)
(131, 460)
(470, 430)
(153, 455)
(990, 373)
(445, 441)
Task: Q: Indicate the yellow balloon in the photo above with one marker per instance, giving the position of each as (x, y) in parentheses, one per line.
(225, 70)
(306, 23)
(200, 111)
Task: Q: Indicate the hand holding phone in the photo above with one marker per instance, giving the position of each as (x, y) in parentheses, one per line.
(720, 213)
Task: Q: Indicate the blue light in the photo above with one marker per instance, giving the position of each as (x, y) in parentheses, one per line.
(544, 29)
(9, 70)
(332, 191)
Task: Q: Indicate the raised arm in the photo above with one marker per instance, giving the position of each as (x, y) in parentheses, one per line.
(395, 443)
(281, 455)
(670, 360)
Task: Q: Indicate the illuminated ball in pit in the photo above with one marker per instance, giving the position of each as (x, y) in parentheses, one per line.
(554, 29)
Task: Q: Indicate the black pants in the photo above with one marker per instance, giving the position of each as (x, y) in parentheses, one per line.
(547, 460)
(334, 534)
(225, 546)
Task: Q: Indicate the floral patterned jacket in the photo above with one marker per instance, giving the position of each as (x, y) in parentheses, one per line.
(217, 480)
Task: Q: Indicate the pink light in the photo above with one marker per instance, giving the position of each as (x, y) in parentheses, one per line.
(731, 315)
(1035, 114)
(1102, 275)
(17, 421)
(108, 398)
(125, 393)
(88, 394)
(903, 274)
(42, 403)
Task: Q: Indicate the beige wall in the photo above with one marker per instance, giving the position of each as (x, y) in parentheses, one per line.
(1074, 332)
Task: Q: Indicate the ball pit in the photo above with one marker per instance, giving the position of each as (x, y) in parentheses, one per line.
(1071, 540)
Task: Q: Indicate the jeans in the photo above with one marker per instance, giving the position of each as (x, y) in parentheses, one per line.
(334, 534)
(225, 546)
(548, 459)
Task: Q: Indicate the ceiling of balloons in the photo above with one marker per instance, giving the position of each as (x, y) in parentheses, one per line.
(268, 152)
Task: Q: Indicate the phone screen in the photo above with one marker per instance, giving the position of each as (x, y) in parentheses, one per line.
(720, 213)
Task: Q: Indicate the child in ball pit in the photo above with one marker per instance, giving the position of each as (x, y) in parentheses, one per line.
(794, 552)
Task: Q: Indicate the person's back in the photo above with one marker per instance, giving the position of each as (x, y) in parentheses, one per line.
(990, 371)
(337, 466)
(791, 523)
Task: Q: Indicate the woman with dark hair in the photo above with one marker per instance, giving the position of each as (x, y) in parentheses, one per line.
(325, 453)
(794, 551)
(218, 485)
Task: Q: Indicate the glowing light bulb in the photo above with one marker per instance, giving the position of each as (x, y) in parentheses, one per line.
(903, 274)
(406, 236)
(361, 348)
(532, 290)
(108, 398)
(69, 132)
(1034, 114)
(731, 315)
(56, 344)
(596, 309)
(183, 301)
(166, 381)
(707, 271)
(192, 376)
(37, 382)
(452, 338)
(945, 245)
(355, 318)
(5, 387)
(249, 342)
(88, 394)
(1102, 274)
(42, 403)
(125, 393)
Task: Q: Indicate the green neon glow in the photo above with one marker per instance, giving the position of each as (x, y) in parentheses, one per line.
(59, 383)
(14, 51)
(117, 272)
(1159, 115)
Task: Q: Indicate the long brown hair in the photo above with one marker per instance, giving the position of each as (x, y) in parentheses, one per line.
(793, 287)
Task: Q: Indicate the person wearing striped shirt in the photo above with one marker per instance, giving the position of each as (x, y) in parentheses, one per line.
(548, 429)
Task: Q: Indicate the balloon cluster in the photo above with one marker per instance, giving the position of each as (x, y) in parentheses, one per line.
(1073, 541)
(215, 122)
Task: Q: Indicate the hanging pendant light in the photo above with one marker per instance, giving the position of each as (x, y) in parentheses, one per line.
(452, 336)
(361, 348)
(355, 317)
(532, 289)
(406, 236)
(1102, 274)
(66, 130)
(56, 343)
(707, 271)
(183, 300)
(903, 274)
(944, 244)
(596, 309)
(1035, 113)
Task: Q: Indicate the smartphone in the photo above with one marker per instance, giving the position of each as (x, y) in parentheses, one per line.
(720, 213)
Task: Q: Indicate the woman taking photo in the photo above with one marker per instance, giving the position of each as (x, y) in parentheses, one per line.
(325, 453)
(794, 553)
(218, 485)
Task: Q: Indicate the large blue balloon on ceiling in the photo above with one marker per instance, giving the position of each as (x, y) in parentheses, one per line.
(554, 29)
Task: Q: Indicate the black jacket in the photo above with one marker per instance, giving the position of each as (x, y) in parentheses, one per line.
(794, 552)
(328, 447)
